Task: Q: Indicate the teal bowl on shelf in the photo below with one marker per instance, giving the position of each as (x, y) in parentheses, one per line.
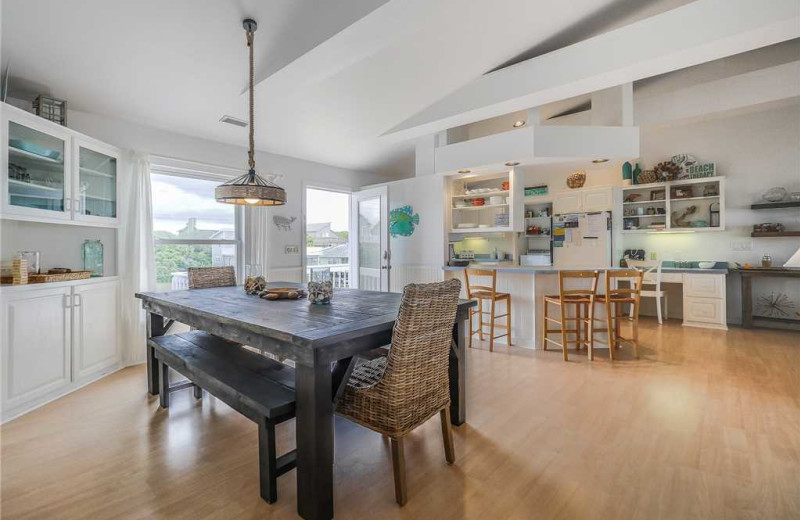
(33, 148)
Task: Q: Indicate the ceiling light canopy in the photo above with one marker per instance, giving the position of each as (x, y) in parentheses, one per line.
(512, 163)
(518, 124)
(599, 161)
(250, 189)
(464, 171)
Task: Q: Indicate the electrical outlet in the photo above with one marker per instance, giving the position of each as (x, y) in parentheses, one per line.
(742, 245)
(292, 250)
(653, 255)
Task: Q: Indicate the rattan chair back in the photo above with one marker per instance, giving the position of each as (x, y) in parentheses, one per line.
(206, 277)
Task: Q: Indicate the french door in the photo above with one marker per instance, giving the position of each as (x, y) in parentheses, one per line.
(370, 247)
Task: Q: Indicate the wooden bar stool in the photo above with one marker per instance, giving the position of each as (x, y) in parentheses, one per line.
(583, 300)
(615, 299)
(481, 293)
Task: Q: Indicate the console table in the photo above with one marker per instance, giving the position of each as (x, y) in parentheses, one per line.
(747, 293)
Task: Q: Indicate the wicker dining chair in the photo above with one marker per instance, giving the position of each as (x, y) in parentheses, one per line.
(393, 395)
(206, 277)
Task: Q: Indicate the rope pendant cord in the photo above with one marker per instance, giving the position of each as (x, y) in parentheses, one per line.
(251, 152)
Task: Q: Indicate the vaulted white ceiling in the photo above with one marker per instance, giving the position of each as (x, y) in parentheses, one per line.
(332, 76)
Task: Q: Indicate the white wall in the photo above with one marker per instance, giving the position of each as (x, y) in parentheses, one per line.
(420, 257)
(754, 151)
(126, 134)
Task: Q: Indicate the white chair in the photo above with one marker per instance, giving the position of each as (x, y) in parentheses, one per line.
(652, 277)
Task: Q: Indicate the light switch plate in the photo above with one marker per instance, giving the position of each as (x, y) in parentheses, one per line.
(653, 255)
(292, 250)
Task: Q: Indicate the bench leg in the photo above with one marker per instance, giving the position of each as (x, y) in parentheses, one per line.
(198, 392)
(163, 396)
(267, 465)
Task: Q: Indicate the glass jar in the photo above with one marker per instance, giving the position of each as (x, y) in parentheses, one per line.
(766, 261)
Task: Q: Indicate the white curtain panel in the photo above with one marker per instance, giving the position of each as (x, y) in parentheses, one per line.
(256, 235)
(137, 256)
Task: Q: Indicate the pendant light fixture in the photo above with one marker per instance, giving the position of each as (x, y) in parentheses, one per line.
(250, 189)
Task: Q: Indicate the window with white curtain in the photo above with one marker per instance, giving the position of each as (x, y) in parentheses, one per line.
(190, 228)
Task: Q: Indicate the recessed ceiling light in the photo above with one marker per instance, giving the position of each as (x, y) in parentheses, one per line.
(235, 121)
(599, 161)
(518, 124)
(464, 171)
(512, 163)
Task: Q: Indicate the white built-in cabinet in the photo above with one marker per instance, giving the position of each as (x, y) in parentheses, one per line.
(55, 339)
(54, 174)
(583, 200)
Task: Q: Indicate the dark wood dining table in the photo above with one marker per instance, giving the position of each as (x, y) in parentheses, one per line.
(322, 340)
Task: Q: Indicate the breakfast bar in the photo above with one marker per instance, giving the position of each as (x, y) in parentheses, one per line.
(703, 294)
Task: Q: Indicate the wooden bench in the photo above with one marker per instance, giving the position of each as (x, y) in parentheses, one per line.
(259, 388)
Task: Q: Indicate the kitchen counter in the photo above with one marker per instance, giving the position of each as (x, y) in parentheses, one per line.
(720, 268)
(702, 294)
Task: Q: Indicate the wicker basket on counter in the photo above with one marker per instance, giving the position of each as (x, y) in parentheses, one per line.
(51, 277)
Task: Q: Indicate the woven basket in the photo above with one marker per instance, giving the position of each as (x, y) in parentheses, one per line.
(576, 180)
(646, 177)
(48, 278)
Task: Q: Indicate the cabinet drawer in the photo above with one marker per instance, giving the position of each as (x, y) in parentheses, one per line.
(704, 285)
(671, 278)
(704, 310)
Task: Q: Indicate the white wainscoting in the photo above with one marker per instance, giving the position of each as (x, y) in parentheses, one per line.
(402, 275)
(285, 274)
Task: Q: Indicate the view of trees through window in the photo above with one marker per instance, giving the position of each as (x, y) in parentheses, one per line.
(328, 236)
(190, 228)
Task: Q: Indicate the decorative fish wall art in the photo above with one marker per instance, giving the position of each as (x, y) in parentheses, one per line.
(402, 221)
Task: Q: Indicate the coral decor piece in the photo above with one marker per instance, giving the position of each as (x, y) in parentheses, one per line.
(679, 219)
(254, 284)
(576, 179)
(667, 171)
(320, 293)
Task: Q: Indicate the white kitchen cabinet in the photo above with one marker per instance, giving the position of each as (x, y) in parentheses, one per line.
(36, 345)
(567, 203)
(56, 339)
(599, 199)
(704, 300)
(54, 174)
(583, 200)
(94, 328)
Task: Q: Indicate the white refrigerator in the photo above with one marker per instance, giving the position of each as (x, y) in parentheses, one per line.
(582, 240)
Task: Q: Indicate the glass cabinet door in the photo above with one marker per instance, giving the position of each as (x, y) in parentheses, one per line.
(36, 171)
(96, 194)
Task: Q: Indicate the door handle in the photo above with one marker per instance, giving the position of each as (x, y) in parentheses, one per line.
(67, 204)
(67, 301)
(77, 205)
(77, 301)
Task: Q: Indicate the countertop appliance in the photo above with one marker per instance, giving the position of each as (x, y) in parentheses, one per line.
(582, 240)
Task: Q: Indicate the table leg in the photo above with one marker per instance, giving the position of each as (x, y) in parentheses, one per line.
(458, 373)
(155, 327)
(747, 301)
(314, 434)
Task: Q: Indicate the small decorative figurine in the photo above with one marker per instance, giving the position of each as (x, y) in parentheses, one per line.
(254, 284)
(320, 293)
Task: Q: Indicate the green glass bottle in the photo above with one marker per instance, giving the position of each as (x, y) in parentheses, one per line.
(636, 172)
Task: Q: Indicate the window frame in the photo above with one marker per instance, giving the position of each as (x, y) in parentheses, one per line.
(322, 186)
(203, 172)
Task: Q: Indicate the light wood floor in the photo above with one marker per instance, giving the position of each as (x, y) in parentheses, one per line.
(706, 425)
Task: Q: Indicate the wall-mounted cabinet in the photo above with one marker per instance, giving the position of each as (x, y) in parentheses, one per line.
(676, 206)
(54, 174)
(583, 200)
(485, 203)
